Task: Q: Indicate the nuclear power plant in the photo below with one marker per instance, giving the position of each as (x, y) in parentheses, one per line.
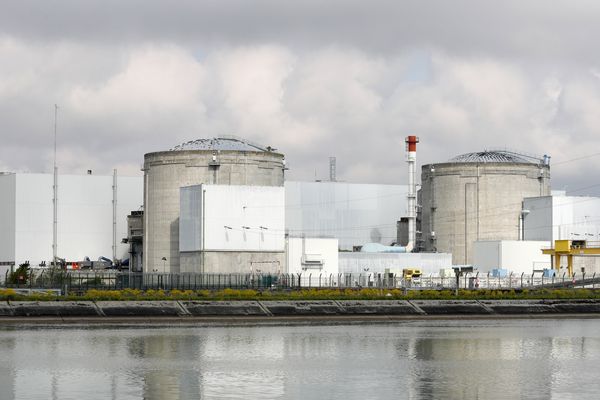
(223, 205)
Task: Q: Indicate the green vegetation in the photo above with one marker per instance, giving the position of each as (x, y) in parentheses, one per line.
(307, 294)
(21, 275)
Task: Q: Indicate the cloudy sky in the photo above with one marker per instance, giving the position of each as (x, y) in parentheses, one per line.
(314, 79)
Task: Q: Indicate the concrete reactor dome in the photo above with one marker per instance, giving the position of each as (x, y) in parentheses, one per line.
(495, 156)
(478, 196)
(224, 160)
(229, 143)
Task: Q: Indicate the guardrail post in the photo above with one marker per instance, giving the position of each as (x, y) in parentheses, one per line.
(594, 281)
(563, 278)
(583, 279)
(488, 280)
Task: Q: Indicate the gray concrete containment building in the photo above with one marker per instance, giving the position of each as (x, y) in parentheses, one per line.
(223, 161)
(477, 196)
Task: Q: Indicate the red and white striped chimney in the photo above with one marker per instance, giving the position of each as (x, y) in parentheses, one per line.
(411, 149)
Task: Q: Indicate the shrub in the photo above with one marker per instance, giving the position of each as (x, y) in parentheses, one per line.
(7, 294)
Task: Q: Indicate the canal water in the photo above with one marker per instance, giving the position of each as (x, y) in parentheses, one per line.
(484, 359)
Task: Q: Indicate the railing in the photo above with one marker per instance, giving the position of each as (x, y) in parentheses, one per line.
(81, 281)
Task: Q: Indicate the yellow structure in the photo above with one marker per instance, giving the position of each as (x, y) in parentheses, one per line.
(570, 248)
(410, 273)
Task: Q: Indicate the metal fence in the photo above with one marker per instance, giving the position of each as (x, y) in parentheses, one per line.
(81, 281)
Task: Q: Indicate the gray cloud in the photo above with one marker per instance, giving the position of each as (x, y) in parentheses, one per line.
(344, 79)
(528, 29)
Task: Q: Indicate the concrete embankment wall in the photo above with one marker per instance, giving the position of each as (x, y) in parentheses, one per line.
(320, 308)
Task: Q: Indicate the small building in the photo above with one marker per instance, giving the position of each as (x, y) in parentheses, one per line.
(517, 256)
(231, 229)
(316, 259)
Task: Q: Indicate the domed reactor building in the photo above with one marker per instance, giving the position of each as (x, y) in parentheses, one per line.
(477, 196)
(218, 161)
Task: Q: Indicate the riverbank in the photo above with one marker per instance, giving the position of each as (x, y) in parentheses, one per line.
(318, 311)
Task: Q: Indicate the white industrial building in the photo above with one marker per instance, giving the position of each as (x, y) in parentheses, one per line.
(231, 228)
(544, 220)
(353, 213)
(516, 256)
(316, 259)
(562, 217)
(368, 263)
(87, 225)
(559, 217)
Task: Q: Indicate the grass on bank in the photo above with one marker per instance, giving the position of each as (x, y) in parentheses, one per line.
(306, 294)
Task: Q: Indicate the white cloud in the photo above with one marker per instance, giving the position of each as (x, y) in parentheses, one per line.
(311, 103)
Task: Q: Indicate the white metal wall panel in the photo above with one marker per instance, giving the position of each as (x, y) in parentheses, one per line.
(237, 218)
(7, 217)
(33, 227)
(524, 256)
(562, 217)
(353, 213)
(576, 218)
(517, 256)
(538, 223)
(487, 255)
(325, 249)
(84, 215)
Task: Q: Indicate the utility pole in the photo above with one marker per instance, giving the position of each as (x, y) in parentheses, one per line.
(114, 215)
(55, 196)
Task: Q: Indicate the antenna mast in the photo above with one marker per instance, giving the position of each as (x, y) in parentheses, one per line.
(55, 196)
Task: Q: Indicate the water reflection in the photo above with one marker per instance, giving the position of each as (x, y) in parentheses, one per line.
(442, 359)
(177, 375)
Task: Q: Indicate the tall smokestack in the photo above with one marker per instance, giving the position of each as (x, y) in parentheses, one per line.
(411, 152)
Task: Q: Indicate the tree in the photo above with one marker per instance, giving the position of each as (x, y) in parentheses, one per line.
(21, 275)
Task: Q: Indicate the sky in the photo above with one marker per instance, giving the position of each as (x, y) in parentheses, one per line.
(314, 79)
